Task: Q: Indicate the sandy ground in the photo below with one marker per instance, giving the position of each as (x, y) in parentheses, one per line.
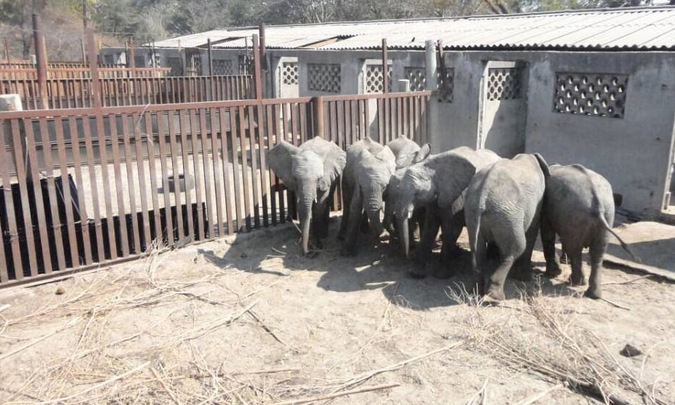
(247, 320)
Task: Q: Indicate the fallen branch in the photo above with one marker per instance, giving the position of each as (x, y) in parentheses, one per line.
(102, 384)
(268, 330)
(541, 395)
(336, 395)
(4, 307)
(166, 387)
(628, 281)
(615, 304)
(366, 376)
(40, 339)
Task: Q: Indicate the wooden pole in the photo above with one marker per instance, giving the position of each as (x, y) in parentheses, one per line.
(263, 47)
(319, 127)
(95, 94)
(212, 80)
(132, 58)
(9, 61)
(41, 58)
(256, 69)
(385, 67)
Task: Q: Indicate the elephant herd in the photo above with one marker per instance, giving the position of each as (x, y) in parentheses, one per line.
(503, 203)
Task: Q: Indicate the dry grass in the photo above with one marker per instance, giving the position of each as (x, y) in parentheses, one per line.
(555, 347)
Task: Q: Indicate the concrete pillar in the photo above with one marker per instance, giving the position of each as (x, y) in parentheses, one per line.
(430, 56)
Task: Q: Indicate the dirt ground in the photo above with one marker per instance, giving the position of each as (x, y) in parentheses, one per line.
(247, 320)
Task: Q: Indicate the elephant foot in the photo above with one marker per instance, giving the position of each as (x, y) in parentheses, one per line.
(348, 251)
(311, 254)
(553, 271)
(577, 281)
(593, 293)
(419, 271)
(444, 272)
(496, 293)
(522, 274)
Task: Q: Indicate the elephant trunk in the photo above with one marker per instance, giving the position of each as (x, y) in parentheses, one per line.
(403, 236)
(305, 215)
(388, 217)
(373, 204)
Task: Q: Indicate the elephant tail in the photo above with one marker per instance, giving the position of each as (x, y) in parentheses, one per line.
(624, 245)
(473, 237)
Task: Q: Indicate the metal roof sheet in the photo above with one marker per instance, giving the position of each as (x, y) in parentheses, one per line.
(624, 28)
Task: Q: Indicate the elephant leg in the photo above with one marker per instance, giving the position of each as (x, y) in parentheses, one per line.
(421, 254)
(325, 214)
(548, 242)
(364, 227)
(574, 254)
(452, 226)
(478, 263)
(596, 251)
(346, 207)
(523, 266)
(512, 247)
(355, 215)
(493, 251)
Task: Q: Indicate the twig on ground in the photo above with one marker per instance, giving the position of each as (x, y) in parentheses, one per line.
(40, 339)
(4, 307)
(102, 384)
(267, 329)
(279, 251)
(165, 386)
(480, 396)
(628, 281)
(366, 376)
(615, 304)
(541, 395)
(338, 394)
(268, 371)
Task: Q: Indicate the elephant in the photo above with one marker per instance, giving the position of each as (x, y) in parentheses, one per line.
(437, 184)
(311, 171)
(367, 173)
(579, 208)
(503, 205)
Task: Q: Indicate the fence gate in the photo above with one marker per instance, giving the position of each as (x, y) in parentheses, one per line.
(503, 109)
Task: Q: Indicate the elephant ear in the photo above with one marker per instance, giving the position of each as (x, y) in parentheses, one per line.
(417, 156)
(452, 176)
(280, 160)
(334, 161)
(543, 165)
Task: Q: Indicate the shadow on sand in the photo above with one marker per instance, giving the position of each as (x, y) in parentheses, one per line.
(378, 265)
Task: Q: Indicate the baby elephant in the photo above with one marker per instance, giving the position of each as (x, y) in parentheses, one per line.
(579, 207)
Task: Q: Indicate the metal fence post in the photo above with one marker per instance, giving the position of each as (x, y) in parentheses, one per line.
(385, 67)
(95, 95)
(257, 77)
(41, 56)
(318, 117)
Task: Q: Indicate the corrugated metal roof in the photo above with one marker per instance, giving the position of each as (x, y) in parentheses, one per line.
(625, 28)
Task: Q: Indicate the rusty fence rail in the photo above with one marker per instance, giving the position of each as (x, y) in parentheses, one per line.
(79, 71)
(84, 187)
(120, 91)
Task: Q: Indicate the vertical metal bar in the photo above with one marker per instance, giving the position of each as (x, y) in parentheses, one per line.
(161, 135)
(84, 217)
(31, 150)
(218, 192)
(279, 135)
(119, 186)
(256, 69)
(93, 68)
(244, 167)
(22, 174)
(255, 183)
(239, 190)
(385, 67)
(339, 114)
(208, 188)
(131, 180)
(264, 174)
(93, 183)
(178, 233)
(103, 153)
(140, 165)
(194, 135)
(225, 137)
(5, 161)
(41, 58)
(56, 225)
(150, 143)
(271, 190)
(184, 146)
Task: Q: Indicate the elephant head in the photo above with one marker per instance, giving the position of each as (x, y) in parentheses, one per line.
(441, 179)
(372, 178)
(311, 172)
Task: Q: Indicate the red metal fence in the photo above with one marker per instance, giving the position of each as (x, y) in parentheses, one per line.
(80, 71)
(83, 187)
(119, 91)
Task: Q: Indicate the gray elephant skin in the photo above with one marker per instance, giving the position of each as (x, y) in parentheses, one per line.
(368, 170)
(579, 207)
(437, 183)
(311, 171)
(503, 205)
